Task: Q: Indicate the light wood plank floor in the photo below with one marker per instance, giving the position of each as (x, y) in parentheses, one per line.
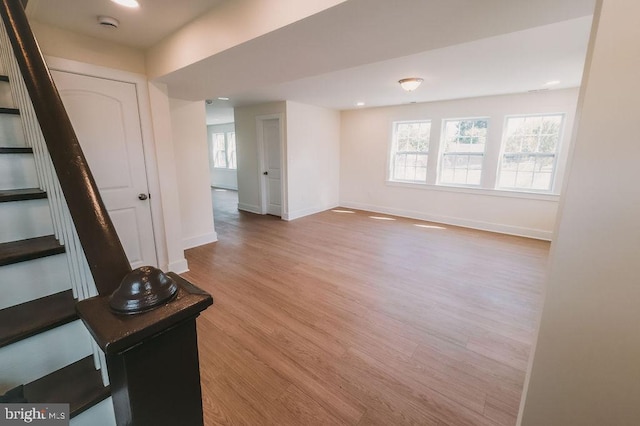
(353, 318)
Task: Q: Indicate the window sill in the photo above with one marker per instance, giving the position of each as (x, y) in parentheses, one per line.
(477, 191)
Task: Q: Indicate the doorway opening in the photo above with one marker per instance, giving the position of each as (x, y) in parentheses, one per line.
(223, 160)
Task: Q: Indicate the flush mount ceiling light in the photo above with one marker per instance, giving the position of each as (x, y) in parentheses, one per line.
(127, 3)
(552, 83)
(410, 84)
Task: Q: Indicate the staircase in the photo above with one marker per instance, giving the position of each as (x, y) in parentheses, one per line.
(46, 352)
(70, 305)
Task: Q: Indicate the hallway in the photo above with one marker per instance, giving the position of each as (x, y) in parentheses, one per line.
(225, 208)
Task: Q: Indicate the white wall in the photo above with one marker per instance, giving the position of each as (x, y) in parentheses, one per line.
(192, 165)
(249, 175)
(100, 58)
(313, 159)
(365, 141)
(221, 178)
(167, 176)
(61, 43)
(586, 365)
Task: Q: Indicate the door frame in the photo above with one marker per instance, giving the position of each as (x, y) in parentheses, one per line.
(262, 187)
(148, 142)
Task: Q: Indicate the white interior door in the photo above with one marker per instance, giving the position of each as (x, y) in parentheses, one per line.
(105, 117)
(272, 165)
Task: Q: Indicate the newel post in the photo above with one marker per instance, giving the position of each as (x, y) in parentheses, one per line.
(147, 330)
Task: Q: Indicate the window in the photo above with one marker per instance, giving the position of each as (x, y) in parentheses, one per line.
(462, 150)
(223, 147)
(410, 151)
(530, 146)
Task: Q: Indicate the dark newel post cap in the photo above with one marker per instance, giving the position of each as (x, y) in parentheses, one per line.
(142, 290)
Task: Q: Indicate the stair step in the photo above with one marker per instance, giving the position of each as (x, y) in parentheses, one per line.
(32, 248)
(27, 219)
(11, 132)
(101, 414)
(30, 318)
(38, 278)
(16, 150)
(18, 168)
(12, 111)
(7, 195)
(14, 396)
(78, 384)
(41, 354)
(6, 97)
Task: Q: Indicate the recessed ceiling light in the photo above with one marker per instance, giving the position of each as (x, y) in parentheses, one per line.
(222, 98)
(552, 83)
(360, 104)
(127, 3)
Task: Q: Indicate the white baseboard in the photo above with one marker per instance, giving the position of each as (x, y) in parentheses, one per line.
(199, 240)
(538, 234)
(307, 212)
(249, 208)
(179, 266)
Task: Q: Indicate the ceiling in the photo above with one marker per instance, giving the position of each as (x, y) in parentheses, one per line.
(358, 50)
(139, 28)
(517, 62)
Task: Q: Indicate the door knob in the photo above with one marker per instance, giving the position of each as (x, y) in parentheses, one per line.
(142, 197)
(265, 173)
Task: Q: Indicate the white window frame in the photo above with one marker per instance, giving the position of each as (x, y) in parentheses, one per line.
(556, 154)
(442, 153)
(393, 152)
(227, 139)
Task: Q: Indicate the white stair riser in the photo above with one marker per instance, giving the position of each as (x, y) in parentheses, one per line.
(6, 99)
(100, 414)
(25, 219)
(11, 133)
(17, 171)
(25, 281)
(35, 357)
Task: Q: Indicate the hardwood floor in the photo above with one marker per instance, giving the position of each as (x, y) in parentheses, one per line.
(352, 318)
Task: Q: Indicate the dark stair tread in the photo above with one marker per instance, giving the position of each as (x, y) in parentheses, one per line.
(29, 249)
(14, 396)
(78, 384)
(7, 195)
(13, 111)
(30, 318)
(4, 78)
(16, 150)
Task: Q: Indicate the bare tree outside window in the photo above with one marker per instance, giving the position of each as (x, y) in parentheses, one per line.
(410, 151)
(530, 149)
(463, 151)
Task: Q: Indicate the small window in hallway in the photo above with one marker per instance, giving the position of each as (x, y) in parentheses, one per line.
(224, 150)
